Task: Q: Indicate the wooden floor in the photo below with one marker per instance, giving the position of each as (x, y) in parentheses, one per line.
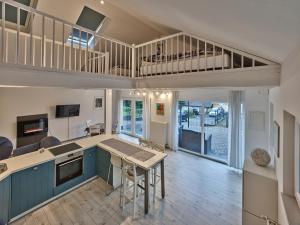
(198, 191)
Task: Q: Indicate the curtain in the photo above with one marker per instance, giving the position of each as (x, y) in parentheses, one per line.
(174, 121)
(236, 129)
(117, 111)
(147, 115)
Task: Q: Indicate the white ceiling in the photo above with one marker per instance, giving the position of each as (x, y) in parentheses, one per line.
(267, 28)
(122, 25)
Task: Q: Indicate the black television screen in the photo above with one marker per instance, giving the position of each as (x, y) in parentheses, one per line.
(67, 110)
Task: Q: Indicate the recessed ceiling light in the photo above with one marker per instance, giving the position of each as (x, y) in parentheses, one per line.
(102, 2)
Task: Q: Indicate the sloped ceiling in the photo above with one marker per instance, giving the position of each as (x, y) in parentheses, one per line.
(122, 25)
(267, 28)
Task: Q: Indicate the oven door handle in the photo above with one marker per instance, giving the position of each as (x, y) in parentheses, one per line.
(62, 164)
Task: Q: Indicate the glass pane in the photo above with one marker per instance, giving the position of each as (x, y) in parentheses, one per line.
(126, 116)
(139, 118)
(216, 131)
(189, 126)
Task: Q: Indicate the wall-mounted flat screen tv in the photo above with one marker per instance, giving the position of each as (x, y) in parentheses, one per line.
(67, 110)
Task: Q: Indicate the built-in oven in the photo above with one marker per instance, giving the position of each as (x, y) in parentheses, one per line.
(68, 167)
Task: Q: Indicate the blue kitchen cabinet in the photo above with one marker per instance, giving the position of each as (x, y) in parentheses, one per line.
(4, 200)
(102, 165)
(89, 164)
(30, 187)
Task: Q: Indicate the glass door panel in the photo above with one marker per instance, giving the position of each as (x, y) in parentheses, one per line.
(139, 118)
(189, 127)
(127, 118)
(216, 131)
(203, 128)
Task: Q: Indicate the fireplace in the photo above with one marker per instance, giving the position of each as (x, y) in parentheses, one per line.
(31, 129)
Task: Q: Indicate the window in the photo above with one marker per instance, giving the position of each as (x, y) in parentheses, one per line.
(85, 38)
(11, 12)
(132, 117)
(88, 19)
(203, 128)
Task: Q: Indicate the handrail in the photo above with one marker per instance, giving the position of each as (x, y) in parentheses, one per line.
(177, 53)
(159, 39)
(32, 10)
(233, 49)
(182, 53)
(94, 54)
(209, 42)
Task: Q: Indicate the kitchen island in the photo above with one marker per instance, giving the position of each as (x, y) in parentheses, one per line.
(31, 179)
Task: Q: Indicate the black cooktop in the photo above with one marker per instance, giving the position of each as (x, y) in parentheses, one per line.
(64, 149)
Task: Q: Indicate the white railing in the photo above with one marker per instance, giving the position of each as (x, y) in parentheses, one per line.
(46, 41)
(184, 53)
(49, 42)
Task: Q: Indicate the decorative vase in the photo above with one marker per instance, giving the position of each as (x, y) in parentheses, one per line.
(261, 157)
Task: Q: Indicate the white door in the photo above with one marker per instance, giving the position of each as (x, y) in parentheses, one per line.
(132, 117)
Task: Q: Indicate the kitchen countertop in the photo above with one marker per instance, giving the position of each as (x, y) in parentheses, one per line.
(28, 160)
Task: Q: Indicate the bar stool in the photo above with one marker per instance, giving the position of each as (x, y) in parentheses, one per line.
(135, 175)
(155, 170)
(116, 162)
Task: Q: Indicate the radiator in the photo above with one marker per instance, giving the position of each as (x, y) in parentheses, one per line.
(158, 132)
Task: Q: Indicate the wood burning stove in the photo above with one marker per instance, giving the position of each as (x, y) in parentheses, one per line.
(31, 129)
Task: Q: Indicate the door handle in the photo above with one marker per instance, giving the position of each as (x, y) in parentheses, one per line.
(35, 168)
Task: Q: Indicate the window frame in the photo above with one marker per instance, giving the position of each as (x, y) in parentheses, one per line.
(133, 115)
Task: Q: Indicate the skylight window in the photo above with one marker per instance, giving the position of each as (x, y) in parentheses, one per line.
(11, 12)
(89, 19)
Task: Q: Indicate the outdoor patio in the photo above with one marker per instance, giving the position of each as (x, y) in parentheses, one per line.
(219, 132)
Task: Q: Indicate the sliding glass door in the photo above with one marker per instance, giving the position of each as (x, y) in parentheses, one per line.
(132, 119)
(216, 131)
(203, 128)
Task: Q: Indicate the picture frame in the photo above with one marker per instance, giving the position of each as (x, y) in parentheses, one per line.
(276, 139)
(160, 109)
(98, 103)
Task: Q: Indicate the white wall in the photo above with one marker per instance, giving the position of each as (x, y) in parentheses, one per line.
(28, 101)
(286, 97)
(256, 100)
(201, 94)
(166, 118)
(165, 99)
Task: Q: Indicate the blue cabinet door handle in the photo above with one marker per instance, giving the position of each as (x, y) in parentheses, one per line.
(35, 168)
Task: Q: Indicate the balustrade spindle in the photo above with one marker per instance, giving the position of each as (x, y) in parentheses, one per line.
(94, 56)
(18, 36)
(53, 43)
(63, 47)
(80, 47)
(4, 46)
(43, 42)
(31, 40)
